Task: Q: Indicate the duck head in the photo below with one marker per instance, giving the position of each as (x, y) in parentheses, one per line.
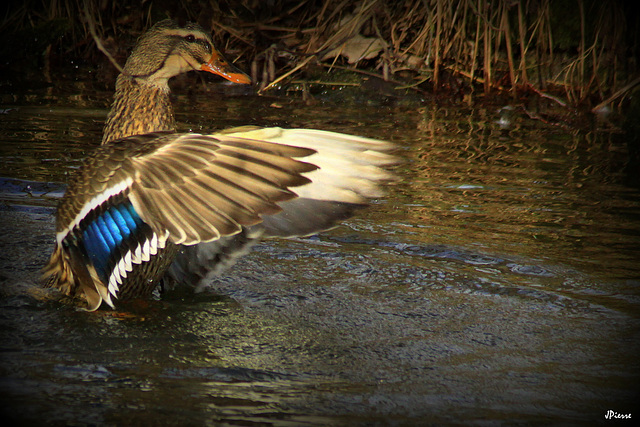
(168, 49)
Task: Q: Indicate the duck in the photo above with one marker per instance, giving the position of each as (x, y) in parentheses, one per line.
(154, 208)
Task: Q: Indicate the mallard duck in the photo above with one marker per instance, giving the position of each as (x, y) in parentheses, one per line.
(151, 206)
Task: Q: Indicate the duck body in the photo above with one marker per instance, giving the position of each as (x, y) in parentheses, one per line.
(151, 205)
(101, 240)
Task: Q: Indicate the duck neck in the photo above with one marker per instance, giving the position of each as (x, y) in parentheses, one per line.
(137, 109)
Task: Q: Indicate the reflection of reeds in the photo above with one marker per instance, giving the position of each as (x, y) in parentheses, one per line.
(587, 55)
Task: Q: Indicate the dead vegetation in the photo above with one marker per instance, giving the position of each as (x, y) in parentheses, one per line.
(575, 52)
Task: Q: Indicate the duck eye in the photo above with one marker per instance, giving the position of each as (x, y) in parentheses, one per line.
(190, 38)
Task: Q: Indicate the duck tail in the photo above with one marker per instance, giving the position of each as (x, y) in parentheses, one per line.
(59, 273)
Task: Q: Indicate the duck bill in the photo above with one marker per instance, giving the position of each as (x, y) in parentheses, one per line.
(220, 66)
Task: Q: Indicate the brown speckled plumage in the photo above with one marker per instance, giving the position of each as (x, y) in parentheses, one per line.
(138, 109)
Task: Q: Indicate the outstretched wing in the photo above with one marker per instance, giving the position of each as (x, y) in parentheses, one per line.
(348, 171)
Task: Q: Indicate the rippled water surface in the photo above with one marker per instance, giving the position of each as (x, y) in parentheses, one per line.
(499, 281)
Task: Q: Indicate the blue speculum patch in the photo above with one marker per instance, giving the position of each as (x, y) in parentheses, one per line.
(105, 234)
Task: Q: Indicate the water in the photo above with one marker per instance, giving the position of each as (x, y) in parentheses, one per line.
(497, 283)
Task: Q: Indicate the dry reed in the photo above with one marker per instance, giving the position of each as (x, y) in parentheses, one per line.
(506, 45)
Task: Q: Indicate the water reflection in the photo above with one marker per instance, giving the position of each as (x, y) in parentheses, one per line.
(498, 281)
(542, 193)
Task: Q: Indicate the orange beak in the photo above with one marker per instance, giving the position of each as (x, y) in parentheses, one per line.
(218, 65)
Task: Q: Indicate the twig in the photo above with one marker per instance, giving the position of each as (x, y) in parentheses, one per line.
(97, 40)
(546, 95)
(616, 95)
(401, 85)
(535, 116)
(285, 75)
(475, 78)
(320, 82)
